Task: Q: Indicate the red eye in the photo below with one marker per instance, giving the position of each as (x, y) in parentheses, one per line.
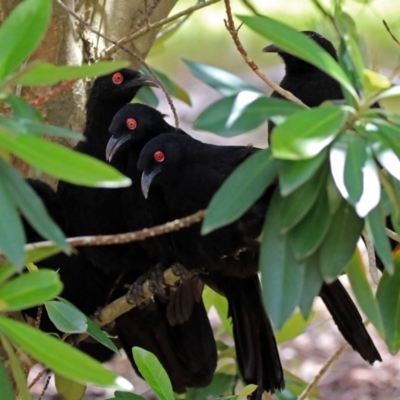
(159, 156)
(117, 78)
(131, 123)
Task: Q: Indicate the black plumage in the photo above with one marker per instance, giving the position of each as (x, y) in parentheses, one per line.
(93, 211)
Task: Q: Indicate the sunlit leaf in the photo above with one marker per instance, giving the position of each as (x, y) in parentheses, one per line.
(293, 327)
(66, 318)
(69, 390)
(153, 372)
(62, 358)
(40, 74)
(173, 88)
(305, 134)
(243, 187)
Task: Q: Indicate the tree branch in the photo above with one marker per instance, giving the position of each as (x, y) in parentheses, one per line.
(373, 270)
(230, 26)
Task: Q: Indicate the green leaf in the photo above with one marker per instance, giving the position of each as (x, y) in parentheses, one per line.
(388, 297)
(21, 108)
(375, 225)
(69, 390)
(12, 236)
(299, 45)
(66, 318)
(31, 206)
(221, 383)
(147, 96)
(26, 25)
(306, 236)
(362, 290)
(126, 396)
(225, 82)
(29, 290)
(63, 163)
(297, 385)
(294, 327)
(153, 372)
(5, 384)
(246, 391)
(241, 113)
(40, 74)
(92, 329)
(62, 358)
(173, 88)
(305, 134)
(313, 281)
(293, 174)
(340, 242)
(16, 369)
(355, 172)
(282, 276)
(242, 188)
(296, 205)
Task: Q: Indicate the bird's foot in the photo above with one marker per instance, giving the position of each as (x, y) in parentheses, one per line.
(135, 294)
(179, 270)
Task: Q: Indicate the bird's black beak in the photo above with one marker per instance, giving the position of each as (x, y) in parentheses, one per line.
(114, 143)
(144, 80)
(271, 48)
(147, 178)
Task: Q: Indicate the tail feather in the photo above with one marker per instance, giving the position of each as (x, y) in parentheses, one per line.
(256, 349)
(348, 320)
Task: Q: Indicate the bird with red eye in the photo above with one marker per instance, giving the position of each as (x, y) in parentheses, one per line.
(159, 156)
(118, 78)
(131, 123)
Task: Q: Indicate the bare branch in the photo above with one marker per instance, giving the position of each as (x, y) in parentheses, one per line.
(393, 235)
(322, 372)
(37, 377)
(230, 26)
(373, 270)
(390, 32)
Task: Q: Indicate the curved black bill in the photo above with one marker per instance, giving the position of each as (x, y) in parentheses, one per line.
(144, 80)
(147, 178)
(114, 143)
(271, 48)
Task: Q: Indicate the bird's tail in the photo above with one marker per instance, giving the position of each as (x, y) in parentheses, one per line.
(256, 349)
(347, 318)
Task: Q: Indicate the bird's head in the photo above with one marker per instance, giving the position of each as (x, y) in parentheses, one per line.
(293, 62)
(134, 125)
(160, 156)
(118, 88)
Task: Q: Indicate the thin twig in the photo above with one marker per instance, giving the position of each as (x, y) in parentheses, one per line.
(230, 26)
(322, 372)
(373, 270)
(172, 27)
(38, 316)
(46, 385)
(37, 378)
(390, 32)
(392, 235)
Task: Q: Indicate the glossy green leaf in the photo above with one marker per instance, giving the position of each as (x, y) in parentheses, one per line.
(281, 275)
(241, 113)
(69, 390)
(40, 74)
(306, 236)
(62, 358)
(146, 96)
(66, 318)
(28, 126)
(12, 237)
(296, 205)
(293, 174)
(243, 187)
(221, 383)
(299, 45)
(305, 134)
(63, 163)
(313, 281)
(375, 224)
(225, 82)
(173, 88)
(26, 25)
(5, 384)
(126, 396)
(246, 391)
(92, 329)
(29, 290)
(31, 206)
(154, 373)
(293, 327)
(388, 297)
(340, 242)
(362, 290)
(16, 369)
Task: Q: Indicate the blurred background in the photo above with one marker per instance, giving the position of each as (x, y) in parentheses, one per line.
(204, 38)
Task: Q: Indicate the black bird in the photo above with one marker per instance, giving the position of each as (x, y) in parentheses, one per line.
(225, 268)
(93, 211)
